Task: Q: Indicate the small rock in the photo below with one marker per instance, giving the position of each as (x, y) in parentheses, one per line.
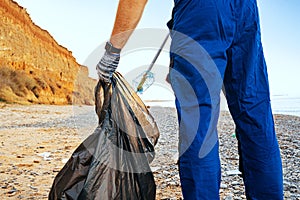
(236, 192)
(287, 194)
(235, 183)
(56, 169)
(172, 183)
(166, 172)
(12, 191)
(224, 186)
(34, 173)
(233, 172)
(228, 197)
(167, 180)
(286, 182)
(154, 169)
(45, 155)
(33, 188)
(4, 187)
(163, 186)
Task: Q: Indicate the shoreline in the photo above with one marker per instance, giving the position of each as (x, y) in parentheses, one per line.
(36, 140)
(276, 111)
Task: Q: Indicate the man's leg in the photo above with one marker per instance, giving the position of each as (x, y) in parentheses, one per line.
(247, 93)
(202, 32)
(199, 174)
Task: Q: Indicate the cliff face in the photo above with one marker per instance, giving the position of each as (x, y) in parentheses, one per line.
(34, 67)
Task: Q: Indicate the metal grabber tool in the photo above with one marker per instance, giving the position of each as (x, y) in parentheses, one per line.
(147, 74)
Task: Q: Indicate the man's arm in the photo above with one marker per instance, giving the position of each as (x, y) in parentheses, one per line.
(128, 15)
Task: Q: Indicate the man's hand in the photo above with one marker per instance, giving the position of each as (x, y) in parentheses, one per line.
(107, 66)
(128, 15)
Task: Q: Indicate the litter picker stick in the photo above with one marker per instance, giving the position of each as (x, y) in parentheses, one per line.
(140, 86)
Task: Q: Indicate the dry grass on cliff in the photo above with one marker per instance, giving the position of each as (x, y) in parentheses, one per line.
(17, 86)
(14, 85)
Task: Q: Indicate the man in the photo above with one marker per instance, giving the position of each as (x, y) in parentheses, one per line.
(214, 42)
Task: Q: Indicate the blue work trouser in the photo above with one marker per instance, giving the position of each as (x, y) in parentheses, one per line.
(215, 43)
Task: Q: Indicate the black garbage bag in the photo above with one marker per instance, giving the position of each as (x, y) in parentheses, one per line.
(113, 162)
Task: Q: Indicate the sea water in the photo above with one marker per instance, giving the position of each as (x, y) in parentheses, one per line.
(285, 104)
(281, 104)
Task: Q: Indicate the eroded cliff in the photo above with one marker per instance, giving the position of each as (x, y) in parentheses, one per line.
(34, 68)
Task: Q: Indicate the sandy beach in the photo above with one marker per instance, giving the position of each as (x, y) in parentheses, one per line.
(37, 140)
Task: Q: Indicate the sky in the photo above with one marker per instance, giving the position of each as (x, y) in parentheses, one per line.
(82, 26)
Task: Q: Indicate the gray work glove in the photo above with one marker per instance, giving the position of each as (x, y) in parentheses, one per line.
(107, 66)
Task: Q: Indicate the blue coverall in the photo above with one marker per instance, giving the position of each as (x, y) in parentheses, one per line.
(216, 43)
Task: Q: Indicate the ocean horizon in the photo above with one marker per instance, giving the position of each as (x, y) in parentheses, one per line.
(281, 104)
(286, 105)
